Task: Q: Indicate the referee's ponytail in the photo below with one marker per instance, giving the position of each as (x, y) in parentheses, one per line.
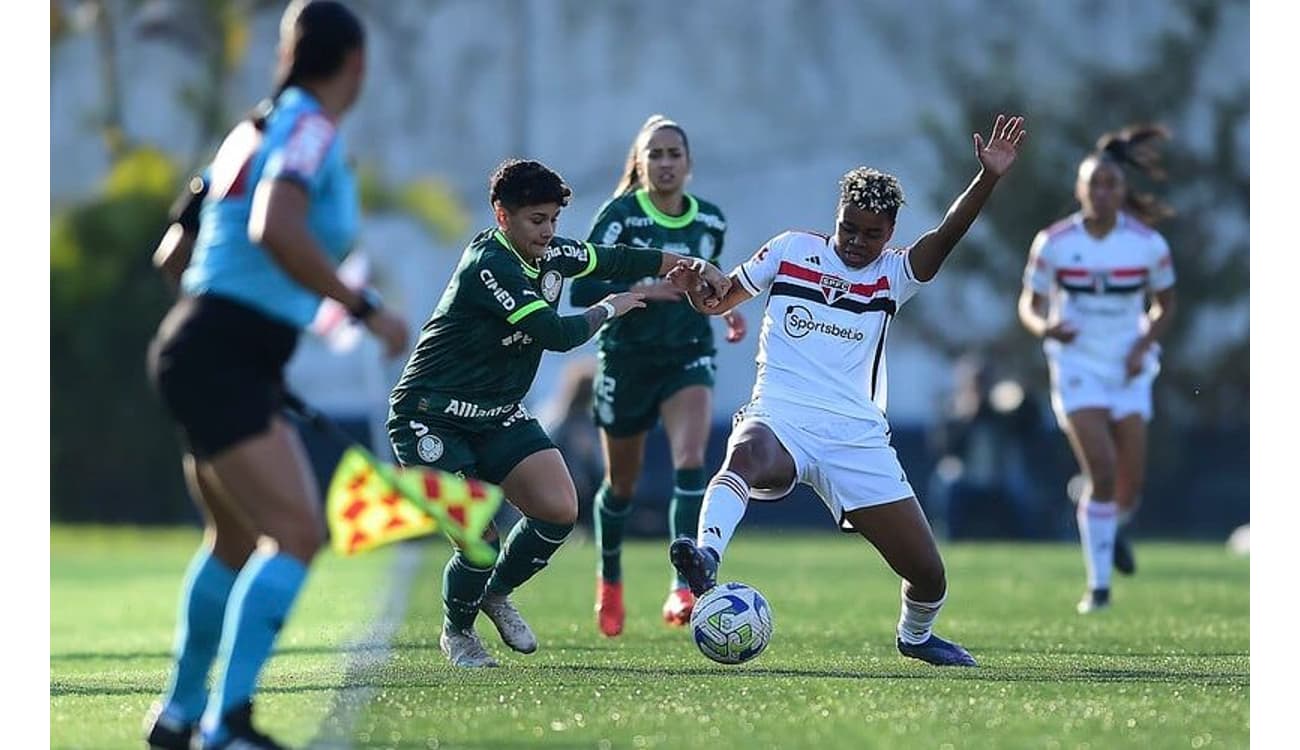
(315, 37)
(1136, 149)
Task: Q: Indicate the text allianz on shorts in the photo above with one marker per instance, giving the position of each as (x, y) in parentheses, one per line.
(847, 461)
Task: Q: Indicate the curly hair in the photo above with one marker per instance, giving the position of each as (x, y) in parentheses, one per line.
(517, 183)
(1136, 149)
(872, 190)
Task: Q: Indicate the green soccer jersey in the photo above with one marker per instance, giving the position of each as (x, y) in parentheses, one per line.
(477, 356)
(661, 328)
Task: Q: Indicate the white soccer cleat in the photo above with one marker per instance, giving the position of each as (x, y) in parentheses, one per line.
(510, 624)
(464, 649)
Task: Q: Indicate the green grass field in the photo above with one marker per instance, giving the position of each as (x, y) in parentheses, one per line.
(358, 664)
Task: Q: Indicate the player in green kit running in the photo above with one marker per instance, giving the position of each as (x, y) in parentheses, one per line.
(458, 405)
(655, 362)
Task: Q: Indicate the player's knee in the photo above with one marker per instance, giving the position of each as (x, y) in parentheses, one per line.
(567, 515)
(746, 459)
(232, 548)
(929, 581)
(622, 478)
(1103, 482)
(302, 543)
(563, 511)
(623, 485)
(688, 456)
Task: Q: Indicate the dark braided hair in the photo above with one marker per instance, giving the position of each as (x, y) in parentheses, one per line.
(631, 179)
(517, 183)
(872, 190)
(1136, 149)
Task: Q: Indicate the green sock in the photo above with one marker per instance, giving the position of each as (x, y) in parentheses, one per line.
(611, 513)
(527, 551)
(462, 589)
(684, 511)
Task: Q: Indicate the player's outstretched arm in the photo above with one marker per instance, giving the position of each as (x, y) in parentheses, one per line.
(995, 158)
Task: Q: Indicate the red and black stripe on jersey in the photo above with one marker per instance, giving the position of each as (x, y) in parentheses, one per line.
(829, 285)
(1113, 281)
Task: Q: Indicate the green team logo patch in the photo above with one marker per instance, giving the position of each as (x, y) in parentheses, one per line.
(551, 283)
(430, 448)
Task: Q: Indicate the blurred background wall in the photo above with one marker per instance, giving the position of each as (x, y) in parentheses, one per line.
(779, 97)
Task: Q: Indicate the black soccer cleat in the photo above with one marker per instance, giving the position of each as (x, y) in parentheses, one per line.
(938, 652)
(163, 733)
(698, 566)
(240, 734)
(1123, 554)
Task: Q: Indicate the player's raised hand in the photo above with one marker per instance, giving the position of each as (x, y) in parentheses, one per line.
(999, 153)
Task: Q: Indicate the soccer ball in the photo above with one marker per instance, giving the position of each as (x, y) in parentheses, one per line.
(731, 623)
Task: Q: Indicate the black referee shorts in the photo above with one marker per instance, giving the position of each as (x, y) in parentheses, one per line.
(218, 366)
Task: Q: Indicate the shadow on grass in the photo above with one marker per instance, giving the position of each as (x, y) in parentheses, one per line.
(286, 651)
(440, 675)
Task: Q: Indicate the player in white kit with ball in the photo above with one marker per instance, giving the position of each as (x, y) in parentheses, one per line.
(817, 414)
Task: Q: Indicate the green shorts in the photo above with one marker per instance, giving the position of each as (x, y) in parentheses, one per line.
(629, 391)
(487, 449)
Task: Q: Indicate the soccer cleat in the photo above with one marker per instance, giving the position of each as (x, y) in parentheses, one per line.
(1093, 601)
(699, 566)
(677, 609)
(1123, 554)
(510, 624)
(938, 652)
(165, 733)
(609, 607)
(240, 734)
(464, 649)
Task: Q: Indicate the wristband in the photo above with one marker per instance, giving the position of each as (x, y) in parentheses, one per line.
(370, 304)
(610, 311)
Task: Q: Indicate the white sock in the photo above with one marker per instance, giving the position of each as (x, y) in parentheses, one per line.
(724, 505)
(917, 619)
(1097, 524)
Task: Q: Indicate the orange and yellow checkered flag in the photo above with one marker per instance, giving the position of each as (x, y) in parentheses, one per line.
(371, 503)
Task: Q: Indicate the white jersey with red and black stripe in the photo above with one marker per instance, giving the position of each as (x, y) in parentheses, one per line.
(822, 344)
(1100, 287)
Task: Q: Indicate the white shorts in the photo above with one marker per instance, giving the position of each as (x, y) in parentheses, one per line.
(848, 462)
(1075, 388)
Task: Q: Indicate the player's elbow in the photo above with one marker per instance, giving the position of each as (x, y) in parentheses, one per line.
(560, 345)
(173, 253)
(557, 339)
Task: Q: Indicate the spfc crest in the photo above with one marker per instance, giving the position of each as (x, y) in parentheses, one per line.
(833, 287)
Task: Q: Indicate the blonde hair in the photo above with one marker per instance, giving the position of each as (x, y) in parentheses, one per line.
(872, 190)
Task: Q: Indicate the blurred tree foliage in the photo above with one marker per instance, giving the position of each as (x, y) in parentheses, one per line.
(109, 437)
(1206, 376)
